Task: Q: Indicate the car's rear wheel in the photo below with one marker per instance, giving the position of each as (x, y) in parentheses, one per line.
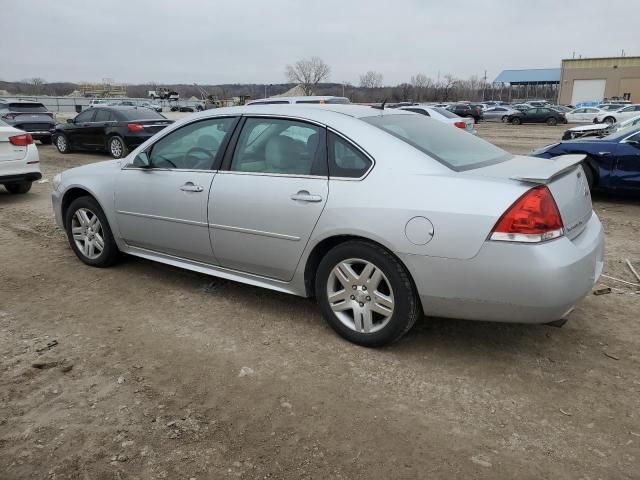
(505, 118)
(62, 144)
(18, 187)
(589, 175)
(117, 147)
(89, 233)
(516, 121)
(366, 294)
(552, 121)
(610, 120)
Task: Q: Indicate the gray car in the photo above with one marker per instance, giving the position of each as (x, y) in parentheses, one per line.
(498, 113)
(31, 117)
(381, 215)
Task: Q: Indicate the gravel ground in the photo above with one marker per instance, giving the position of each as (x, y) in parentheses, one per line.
(143, 371)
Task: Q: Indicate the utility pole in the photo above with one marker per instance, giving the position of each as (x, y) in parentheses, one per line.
(265, 90)
(484, 85)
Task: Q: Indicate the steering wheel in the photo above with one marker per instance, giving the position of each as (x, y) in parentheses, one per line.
(199, 163)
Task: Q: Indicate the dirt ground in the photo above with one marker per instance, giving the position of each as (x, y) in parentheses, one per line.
(160, 373)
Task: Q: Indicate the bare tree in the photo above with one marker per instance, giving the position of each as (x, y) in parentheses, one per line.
(448, 85)
(35, 85)
(421, 84)
(308, 73)
(371, 79)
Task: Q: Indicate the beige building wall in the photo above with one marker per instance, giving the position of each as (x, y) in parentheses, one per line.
(622, 75)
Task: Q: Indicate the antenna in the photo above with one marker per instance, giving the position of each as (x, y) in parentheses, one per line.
(380, 107)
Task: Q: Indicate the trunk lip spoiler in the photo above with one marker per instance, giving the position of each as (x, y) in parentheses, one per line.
(557, 166)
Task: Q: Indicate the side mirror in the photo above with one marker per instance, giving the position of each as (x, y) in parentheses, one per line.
(142, 160)
(69, 120)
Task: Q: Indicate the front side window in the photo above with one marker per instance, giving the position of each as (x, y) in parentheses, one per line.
(345, 160)
(278, 146)
(85, 116)
(103, 116)
(193, 147)
(450, 146)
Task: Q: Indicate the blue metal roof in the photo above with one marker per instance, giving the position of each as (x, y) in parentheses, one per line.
(536, 75)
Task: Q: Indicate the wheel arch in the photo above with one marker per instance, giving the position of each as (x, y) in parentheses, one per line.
(322, 248)
(72, 194)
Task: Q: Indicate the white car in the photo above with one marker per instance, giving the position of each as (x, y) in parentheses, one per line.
(19, 160)
(600, 129)
(316, 99)
(583, 115)
(445, 116)
(624, 113)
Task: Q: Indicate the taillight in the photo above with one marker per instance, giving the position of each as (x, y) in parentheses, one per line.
(533, 218)
(562, 114)
(21, 140)
(135, 127)
(460, 124)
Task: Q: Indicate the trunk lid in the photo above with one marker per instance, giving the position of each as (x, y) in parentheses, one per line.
(564, 177)
(153, 125)
(32, 122)
(8, 151)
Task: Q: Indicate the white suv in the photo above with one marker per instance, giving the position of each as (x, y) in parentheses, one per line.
(19, 160)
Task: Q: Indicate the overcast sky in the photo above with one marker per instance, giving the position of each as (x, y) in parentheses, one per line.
(242, 41)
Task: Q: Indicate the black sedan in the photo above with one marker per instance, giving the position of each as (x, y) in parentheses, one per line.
(611, 162)
(114, 129)
(466, 110)
(537, 115)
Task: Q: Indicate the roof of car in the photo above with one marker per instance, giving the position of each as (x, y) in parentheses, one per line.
(310, 98)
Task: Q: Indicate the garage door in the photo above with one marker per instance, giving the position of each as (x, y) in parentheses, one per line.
(631, 86)
(588, 91)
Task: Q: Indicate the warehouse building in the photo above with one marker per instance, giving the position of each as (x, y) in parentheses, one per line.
(586, 80)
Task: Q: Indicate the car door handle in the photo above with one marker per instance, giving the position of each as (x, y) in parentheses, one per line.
(604, 154)
(190, 187)
(304, 196)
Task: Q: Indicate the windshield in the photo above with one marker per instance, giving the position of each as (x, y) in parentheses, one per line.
(27, 107)
(453, 147)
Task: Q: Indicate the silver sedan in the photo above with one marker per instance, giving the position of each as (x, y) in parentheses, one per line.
(381, 215)
(498, 114)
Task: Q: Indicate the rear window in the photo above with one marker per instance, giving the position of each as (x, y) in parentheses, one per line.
(27, 107)
(450, 146)
(444, 112)
(140, 114)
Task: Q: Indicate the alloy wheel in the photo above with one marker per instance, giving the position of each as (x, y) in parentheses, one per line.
(61, 143)
(116, 148)
(360, 295)
(87, 232)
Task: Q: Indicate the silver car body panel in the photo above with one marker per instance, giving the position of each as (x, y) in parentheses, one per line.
(456, 270)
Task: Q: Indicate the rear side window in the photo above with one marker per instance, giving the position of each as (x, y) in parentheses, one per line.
(140, 114)
(345, 159)
(27, 107)
(103, 116)
(279, 146)
(418, 110)
(444, 112)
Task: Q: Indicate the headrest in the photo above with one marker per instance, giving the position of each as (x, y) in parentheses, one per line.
(281, 153)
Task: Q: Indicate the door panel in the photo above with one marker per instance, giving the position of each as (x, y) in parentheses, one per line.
(165, 211)
(256, 225)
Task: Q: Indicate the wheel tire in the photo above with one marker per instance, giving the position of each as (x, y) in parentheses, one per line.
(609, 120)
(552, 121)
(18, 188)
(109, 253)
(406, 305)
(516, 121)
(505, 119)
(116, 147)
(46, 141)
(62, 144)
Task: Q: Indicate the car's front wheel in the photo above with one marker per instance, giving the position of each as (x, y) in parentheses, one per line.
(117, 147)
(62, 144)
(89, 233)
(366, 294)
(18, 187)
(609, 120)
(516, 121)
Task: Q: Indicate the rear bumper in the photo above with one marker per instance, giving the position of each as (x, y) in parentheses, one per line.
(20, 177)
(509, 282)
